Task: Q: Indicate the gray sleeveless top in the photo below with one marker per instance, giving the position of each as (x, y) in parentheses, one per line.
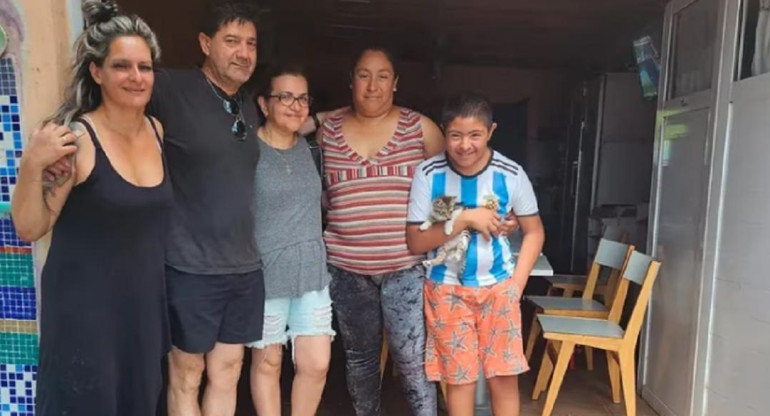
(288, 221)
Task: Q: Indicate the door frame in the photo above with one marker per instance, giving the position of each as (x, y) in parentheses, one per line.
(717, 99)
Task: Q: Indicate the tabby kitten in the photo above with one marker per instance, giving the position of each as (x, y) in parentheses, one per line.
(447, 209)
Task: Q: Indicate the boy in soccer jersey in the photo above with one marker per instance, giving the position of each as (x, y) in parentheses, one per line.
(473, 318)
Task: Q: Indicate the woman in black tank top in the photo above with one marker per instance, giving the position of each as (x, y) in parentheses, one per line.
(103, 325)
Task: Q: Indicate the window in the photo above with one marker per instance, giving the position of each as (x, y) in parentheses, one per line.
(694, 35)
(754, 37)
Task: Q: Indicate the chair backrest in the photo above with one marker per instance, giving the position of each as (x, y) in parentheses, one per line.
(641, 270)
(612, 255)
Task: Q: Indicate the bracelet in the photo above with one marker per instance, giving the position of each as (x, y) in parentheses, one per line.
(316, 121)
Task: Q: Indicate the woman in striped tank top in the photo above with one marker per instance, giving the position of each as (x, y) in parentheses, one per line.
(370, 153)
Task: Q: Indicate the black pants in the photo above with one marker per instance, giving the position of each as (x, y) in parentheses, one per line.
(364, 306)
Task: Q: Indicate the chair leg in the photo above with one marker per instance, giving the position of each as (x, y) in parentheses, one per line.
(534, 332)
(589, 358)
(628, 374)
(546, 367)
(383, 357)
(443, 391)
(568, 293)
(613, 367)
(565, 352)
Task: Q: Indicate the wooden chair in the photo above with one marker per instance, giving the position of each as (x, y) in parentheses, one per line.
(571, 283)
(564, 333)
(609, 255)
(384, 358)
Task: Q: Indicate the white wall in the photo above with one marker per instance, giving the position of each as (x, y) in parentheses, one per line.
(739, 368)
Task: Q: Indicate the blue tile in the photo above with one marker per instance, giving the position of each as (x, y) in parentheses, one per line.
(20, 394)
(8, 235)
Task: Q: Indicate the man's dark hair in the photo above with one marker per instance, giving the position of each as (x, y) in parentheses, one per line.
(467, 104)
(222, 12)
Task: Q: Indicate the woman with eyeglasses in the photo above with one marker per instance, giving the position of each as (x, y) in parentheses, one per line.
(288, 234)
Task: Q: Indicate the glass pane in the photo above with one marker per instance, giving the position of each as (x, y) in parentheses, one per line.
(754, 58)
(682, 196)
(693, 53)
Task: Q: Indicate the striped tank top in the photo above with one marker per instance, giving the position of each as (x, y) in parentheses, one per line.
(366, 230)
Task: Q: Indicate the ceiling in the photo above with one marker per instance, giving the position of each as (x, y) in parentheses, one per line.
(519, 33)
(512, 33)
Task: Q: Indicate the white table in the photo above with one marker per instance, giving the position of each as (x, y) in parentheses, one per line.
(542, 266)
(482, 405)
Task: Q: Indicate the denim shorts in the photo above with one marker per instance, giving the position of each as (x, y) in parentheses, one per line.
(308, 315)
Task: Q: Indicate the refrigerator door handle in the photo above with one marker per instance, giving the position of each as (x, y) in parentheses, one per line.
(574, 178)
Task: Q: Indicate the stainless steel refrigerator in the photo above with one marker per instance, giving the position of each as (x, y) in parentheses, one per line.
(606, 163)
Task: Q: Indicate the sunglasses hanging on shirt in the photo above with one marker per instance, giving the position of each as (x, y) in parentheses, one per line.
(233, 106)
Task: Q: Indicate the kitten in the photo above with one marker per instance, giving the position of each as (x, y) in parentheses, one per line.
(447, 209)
(443, 209)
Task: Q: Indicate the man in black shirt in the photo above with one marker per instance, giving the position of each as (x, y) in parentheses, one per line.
(213, 269)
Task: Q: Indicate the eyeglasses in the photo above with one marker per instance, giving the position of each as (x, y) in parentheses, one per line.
(288, 99)
(234, 109)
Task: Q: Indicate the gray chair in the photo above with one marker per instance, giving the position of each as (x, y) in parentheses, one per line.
(569, 283)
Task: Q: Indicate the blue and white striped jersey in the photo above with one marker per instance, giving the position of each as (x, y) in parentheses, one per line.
(487, 262)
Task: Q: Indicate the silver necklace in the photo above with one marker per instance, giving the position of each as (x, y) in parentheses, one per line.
(237, 97)
(269, 141)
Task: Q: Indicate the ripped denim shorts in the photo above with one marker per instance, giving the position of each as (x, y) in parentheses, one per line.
(307, 315)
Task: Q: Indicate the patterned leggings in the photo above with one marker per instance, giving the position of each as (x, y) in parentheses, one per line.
(364, 306)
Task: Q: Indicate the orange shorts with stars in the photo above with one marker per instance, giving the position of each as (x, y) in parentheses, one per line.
(472, 328)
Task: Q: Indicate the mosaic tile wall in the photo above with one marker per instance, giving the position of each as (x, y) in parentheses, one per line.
(18, 311)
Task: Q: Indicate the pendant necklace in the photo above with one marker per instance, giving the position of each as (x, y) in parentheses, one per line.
(269, 142)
